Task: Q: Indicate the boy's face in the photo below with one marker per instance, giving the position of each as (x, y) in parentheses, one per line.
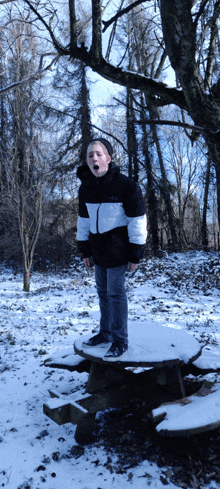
(98, 159)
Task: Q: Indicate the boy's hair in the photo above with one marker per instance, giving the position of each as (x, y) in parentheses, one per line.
(104, 143)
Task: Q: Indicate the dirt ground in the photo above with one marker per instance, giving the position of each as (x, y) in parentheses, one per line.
(189, 461)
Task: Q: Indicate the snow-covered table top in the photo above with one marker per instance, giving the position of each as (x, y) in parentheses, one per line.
(150, 345)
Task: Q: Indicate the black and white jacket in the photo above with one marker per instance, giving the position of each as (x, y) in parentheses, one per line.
(112, 221)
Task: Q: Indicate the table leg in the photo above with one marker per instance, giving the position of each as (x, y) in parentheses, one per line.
(96, 377)
(84, 429)
(171, 378)
(179, 374)
(102, 376)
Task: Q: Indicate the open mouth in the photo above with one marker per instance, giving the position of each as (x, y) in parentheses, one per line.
(96, 167)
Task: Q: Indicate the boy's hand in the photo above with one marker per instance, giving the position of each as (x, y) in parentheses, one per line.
(87, 263)
(132, 266)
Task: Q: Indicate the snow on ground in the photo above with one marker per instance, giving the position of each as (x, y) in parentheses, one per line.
(181, 291)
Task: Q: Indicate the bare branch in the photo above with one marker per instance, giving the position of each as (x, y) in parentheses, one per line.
(172, 123)
(35, 76)
(211, 22)
(112, 35)
(61, 49)
(158, 122)
(201, 10)
(120, 13)
(160, 65)
(89, 124)
(6, 1)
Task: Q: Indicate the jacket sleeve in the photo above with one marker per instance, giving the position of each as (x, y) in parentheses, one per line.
(136, 222)
(83, 228)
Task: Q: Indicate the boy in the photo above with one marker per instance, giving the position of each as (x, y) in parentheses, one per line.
(112, 230)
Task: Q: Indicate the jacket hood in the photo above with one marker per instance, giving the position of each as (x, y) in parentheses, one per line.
(84, 173)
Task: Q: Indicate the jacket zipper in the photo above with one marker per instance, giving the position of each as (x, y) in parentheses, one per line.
(97, 219)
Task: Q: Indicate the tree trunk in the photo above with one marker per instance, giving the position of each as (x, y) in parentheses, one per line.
(165, 188)
(84, 113)
(204, 109)
(204, 229)
(151, 196)
(132, 144)
(26, 280)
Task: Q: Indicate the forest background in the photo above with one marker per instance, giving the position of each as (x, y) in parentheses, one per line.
(158, 102)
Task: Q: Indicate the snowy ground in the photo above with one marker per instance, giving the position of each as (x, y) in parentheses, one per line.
(180, 291)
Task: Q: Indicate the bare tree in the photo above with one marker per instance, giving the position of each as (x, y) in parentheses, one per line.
(185, 163)
(146, 57)
(187, 31)
(29, 187)
(22, 183)
(190, 34)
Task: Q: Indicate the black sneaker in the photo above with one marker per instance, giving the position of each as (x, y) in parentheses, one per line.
(116, 350)
(97, 340)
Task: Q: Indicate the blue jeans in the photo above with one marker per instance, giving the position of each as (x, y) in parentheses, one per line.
(110, 283)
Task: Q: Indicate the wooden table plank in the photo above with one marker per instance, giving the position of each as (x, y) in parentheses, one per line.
(194, 414)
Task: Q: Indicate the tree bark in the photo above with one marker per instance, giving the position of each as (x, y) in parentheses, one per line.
(204, 109)
(205, 241)
(165, 187)
(132, 144)
(152, 203)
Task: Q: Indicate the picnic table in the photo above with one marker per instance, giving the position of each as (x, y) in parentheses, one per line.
(149, 370)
